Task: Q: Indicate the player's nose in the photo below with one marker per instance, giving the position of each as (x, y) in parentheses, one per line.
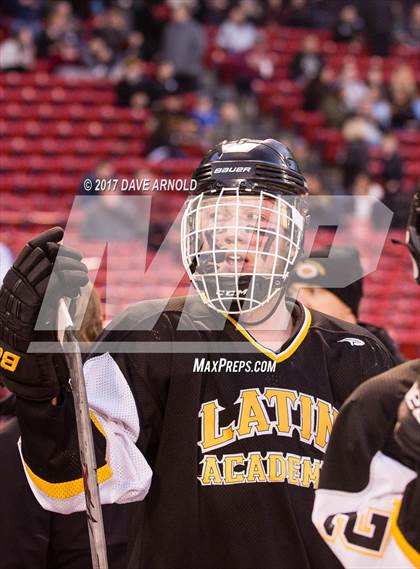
(233, 237)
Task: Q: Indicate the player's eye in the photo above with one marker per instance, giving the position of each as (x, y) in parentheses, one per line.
(256, 218)
(252, 216)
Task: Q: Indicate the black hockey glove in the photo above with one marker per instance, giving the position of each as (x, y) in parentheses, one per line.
(36, 376)
(407, 429)
(412, 238)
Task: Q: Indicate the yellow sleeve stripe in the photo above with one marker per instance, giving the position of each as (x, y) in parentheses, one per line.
(70, 488)
(63, 490)
(97, 424)
(409, 551)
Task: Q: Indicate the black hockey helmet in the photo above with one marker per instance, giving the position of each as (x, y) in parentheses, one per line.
(267, 163)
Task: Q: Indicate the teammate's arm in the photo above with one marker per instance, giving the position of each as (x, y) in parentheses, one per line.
(49, 446)
(367, 506)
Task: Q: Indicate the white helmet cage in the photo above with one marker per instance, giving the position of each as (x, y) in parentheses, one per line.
(239, 246)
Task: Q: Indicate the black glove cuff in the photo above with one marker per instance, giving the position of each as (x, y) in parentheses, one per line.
(37, 377)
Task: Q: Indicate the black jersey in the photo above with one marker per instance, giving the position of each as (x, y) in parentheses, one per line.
(223, 439)
(386, 340)
(367, 507)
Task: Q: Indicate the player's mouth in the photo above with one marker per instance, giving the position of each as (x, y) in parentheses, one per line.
(236, 262)
(232, 258)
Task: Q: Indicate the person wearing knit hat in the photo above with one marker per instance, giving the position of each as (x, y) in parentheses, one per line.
(319, 282)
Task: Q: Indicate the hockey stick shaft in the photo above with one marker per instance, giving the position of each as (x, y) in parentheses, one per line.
(85, 438)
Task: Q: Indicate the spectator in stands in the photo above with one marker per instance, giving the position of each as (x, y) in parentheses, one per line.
(215, 11)
(166, 128)
(183, 45)
(353, 89)
(236, 35)
(134, 81)
(150, 18)
(333, 108)
(381, 107)
(378, 94)
(392, 164)
(139, 101)
(403, 79)
(166, 82)
(187, 136)
(250, 65)
(313, 281)
(113, 28)
(411, 31)
(403, 95)
(403, 110)
(375, 74)
(364, 210)
(60, 26)
(323, 94)
(308, 62)
(299, 14)
(379, 20)
(67, 59)
(17, 53)
(64, 8)
(323, 204)
(398, 202)
(392, 172)
(100, 59)
(316, 89)
(161, 221)
(399, 21)
(137, 47)
(255, 11)
(231, 125)
(260, 62)
(354, 160)
(349, 25)
(306, 156)
(104, 170)
(361, 125)
(274, 12)
(204, 113)
(24, 13)
(170, 105)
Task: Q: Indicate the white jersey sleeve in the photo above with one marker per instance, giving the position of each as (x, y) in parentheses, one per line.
(125, 475)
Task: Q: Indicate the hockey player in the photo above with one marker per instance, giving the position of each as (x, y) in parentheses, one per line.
(312, 281)
(212, 411)
(368, 506)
